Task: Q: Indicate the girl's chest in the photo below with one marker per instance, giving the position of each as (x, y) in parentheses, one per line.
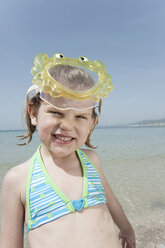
(70, 184)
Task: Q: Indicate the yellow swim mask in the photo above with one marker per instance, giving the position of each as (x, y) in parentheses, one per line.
(78, 81)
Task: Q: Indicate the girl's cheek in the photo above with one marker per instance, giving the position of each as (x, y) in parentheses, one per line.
(86, 130)
(49, 121)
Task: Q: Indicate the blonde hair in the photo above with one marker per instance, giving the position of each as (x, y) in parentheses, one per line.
(61, 73)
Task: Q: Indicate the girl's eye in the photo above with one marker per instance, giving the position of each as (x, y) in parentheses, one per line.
(55, 113)
(81, 117)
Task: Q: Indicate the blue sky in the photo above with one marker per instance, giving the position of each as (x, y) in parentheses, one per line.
(128, 36)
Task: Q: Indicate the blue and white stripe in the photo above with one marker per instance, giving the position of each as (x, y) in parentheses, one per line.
(96, 194)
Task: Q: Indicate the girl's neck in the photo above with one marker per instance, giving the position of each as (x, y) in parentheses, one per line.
(62, 162)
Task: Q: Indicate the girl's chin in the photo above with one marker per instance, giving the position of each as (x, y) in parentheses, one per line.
(61, 150)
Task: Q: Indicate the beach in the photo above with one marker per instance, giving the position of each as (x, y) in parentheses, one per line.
(133, 161)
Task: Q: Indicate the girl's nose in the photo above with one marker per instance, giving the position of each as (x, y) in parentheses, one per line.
(66, 124)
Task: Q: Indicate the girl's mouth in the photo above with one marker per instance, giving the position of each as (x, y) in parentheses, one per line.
(62, 138)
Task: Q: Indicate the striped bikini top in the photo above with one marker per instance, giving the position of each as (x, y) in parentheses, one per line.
(46, 202)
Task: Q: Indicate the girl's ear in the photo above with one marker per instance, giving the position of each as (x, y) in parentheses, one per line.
(33, 115)
(93, 123)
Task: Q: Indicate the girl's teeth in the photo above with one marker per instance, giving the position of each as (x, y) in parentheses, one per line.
(63, 138)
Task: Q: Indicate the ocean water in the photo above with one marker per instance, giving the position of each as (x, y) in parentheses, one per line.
(133, 161)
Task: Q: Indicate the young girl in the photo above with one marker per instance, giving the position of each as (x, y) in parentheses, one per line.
(61, 193)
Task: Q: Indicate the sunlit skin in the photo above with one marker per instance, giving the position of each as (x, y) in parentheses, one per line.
(62, 132)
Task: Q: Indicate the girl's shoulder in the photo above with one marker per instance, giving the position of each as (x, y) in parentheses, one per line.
(17, 172)
(15, 179)
(93, 156)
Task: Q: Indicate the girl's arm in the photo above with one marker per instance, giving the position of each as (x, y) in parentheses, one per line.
(126, 231)
(126, 234)
(12, 227)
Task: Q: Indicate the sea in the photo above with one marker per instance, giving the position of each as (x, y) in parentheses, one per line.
(133, 161)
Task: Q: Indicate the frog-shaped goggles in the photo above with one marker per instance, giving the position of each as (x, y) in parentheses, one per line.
(71, 92)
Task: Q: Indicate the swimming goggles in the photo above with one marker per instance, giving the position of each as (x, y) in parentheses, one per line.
(82, 91)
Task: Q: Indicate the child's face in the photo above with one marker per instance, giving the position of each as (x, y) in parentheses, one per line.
(62, 131)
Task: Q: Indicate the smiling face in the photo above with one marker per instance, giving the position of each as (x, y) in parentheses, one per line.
(62, 132)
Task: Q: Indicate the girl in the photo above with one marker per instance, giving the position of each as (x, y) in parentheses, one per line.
(61, 193)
